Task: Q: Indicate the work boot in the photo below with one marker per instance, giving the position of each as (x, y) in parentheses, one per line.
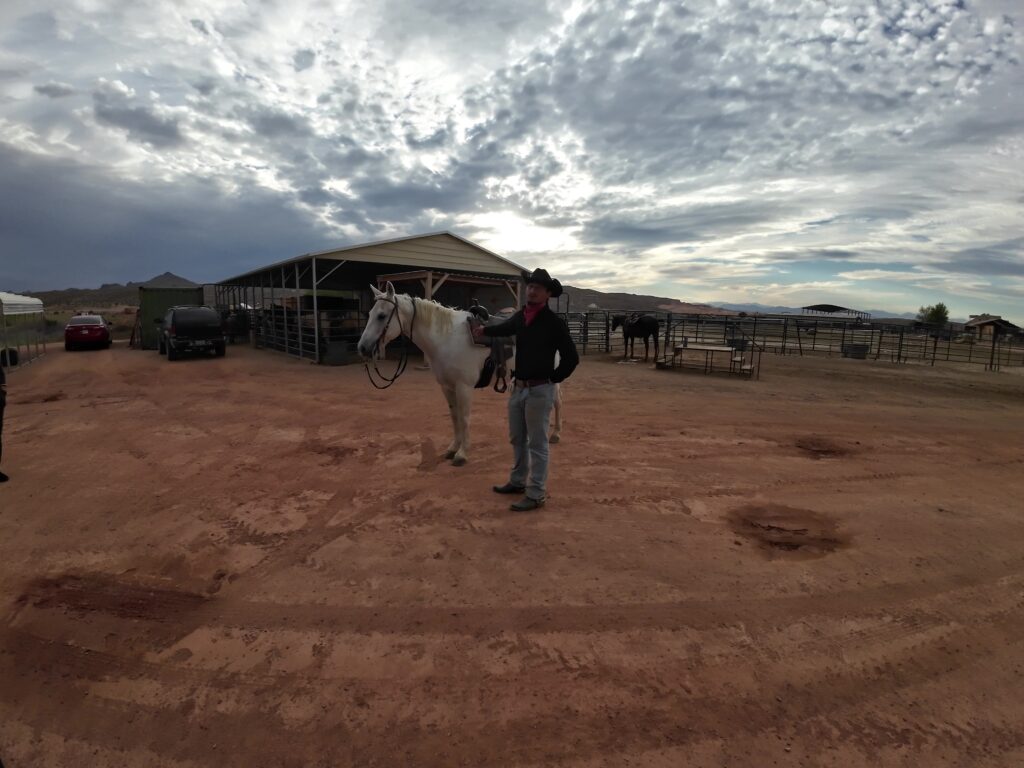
(508, 488)
(526, 504)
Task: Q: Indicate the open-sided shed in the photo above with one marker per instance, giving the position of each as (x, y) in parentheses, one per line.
(22, 329)
(314, 306)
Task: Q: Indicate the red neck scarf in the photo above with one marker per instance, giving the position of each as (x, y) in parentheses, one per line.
(530, 312)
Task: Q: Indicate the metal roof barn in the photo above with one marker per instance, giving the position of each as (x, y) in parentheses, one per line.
(22, 329)
(314, 306)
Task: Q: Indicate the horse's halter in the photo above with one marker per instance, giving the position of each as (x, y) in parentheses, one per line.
(403, 358)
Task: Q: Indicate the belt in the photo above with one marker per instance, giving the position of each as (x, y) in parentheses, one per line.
(532, 382)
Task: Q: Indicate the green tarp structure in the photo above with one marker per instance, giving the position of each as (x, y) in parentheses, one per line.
(154, 303)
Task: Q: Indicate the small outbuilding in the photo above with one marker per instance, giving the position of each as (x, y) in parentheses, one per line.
(156, 296)
(22, 329)
(987, 326)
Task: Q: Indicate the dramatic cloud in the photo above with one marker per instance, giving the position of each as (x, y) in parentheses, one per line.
(771, 152)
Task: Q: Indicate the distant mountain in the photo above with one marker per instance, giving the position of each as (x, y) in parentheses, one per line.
(109, 294)
(166, 280)
(766, 309)
(580, 299)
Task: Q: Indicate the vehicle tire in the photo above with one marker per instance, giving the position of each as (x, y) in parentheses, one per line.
(67, 346)
(171, 353)
(107, 345)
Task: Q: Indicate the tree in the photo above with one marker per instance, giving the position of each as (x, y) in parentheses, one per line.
(937, 314)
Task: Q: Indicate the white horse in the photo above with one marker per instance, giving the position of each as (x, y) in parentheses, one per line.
(443, 335)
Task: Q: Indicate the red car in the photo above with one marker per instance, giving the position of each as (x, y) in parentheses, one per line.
(86, 331)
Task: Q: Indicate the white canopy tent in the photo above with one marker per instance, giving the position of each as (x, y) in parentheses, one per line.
(22, 328)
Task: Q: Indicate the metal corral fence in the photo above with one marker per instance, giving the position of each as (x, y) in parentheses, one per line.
(592, 332)
(295, 331)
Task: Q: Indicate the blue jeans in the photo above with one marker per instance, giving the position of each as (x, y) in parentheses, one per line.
(529, 411)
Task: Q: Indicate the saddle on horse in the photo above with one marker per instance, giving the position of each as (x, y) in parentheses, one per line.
(501, 350)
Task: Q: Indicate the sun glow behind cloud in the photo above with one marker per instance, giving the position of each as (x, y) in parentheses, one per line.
(772, 148)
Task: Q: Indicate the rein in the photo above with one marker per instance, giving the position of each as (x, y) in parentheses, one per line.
(403, 358)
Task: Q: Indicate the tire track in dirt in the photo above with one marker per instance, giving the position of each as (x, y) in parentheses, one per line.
(220, 611)
(668, 714)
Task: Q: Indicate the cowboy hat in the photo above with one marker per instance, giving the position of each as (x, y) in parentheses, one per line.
(541, 277)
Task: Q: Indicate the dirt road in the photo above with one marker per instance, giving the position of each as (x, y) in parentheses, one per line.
(257, 562)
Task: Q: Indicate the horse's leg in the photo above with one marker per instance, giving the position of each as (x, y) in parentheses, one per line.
(655, 344)
(647, 347)
(556, 435)
(463, 401)
(449, 394)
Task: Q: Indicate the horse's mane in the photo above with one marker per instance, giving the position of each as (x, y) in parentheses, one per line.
(435, 315)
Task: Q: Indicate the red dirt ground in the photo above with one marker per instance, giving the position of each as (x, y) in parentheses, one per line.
(257, 562)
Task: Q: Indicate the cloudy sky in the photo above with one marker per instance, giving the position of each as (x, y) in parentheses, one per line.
(869, 154)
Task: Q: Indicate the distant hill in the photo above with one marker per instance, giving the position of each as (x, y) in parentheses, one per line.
(766, 309)
(581, 298)
(109, 294)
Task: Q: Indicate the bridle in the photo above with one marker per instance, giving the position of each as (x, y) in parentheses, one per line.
(403, 358)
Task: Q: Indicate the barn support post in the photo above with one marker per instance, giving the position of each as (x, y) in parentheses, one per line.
(316, 319)
(263, 311)
(274, 322)
(7, 343)
(284, 308)
(298, 310)
(665, 339)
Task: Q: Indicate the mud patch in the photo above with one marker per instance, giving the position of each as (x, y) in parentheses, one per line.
(818, 447)
(103, 593)
(788, 532)
(334, 452)
(51, 397)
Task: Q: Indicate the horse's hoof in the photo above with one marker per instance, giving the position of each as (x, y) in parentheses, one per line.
(459, 461)
(449, 455)
(554, 439)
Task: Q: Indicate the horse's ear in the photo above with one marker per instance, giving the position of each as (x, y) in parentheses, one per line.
(390, 290)
(376, 294)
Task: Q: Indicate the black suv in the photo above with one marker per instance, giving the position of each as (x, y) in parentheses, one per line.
(191, 329)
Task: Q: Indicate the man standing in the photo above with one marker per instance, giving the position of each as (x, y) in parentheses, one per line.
(540, 333)
(3, 402)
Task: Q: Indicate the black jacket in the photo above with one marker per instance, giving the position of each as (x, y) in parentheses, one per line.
(537, 343)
